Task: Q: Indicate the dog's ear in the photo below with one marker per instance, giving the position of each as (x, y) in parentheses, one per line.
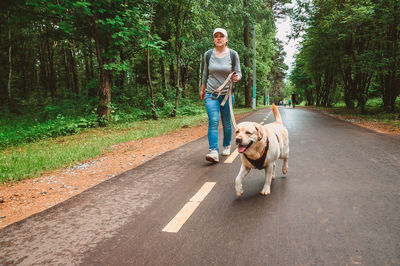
(260, 131)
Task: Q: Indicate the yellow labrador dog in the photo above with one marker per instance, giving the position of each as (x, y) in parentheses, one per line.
(260, 147)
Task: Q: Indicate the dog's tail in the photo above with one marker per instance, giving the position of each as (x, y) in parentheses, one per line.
(277, 115)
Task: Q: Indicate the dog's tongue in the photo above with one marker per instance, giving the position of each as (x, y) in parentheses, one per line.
(241, 149)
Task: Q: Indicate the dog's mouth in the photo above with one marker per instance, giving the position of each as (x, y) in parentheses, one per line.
(243, 148)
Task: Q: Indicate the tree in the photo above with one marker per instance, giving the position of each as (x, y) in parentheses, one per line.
(153, 107)
(351, 45)
(181, 16)
(109, 53)
(277, 74)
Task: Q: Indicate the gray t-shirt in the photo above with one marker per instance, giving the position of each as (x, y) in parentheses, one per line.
(219, 70)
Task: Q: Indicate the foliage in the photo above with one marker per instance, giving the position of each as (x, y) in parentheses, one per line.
(350, 50)
(73, 59)
(63, 120)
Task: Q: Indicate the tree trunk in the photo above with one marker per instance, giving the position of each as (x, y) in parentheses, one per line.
(43, 77)
(87, 73)
(185, 79)
(248, 90)
(73, 68)
(121, 77)
(178, 58)
(9, 59)
(178, 48)
(391, 78)
(92, 92)
(103, 109)
(27, 65)
(172, 80)
(163, 76)
(348, 99)
(153, 106)
(66, 67)
(52, 77)
(200, 77)
(318, 90)
(309, 97)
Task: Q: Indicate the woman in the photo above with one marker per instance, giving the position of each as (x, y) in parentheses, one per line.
(216, 70)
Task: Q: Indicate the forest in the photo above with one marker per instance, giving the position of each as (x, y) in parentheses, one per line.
(127, 56)
(69, 65)
(350, 52)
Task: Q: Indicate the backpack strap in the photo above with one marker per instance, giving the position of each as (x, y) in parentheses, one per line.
(208, 56)
(233, 59)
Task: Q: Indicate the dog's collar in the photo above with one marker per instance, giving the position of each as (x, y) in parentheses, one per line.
(259, 163)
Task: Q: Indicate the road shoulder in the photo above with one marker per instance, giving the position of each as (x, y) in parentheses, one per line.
(30, 196)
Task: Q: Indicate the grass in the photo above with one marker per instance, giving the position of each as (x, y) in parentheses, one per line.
(30, 160)
(373, 113)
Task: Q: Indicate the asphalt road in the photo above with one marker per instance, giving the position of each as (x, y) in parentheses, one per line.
(338, 205)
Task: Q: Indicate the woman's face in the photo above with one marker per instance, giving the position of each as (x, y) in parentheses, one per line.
(220, 40)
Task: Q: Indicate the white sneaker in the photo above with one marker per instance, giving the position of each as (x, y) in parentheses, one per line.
(226, 151)
(212, 156)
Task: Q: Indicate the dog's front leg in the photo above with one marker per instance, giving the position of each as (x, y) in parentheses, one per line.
(268, 177)
(238, 181)
(285, 166)
(274, 171)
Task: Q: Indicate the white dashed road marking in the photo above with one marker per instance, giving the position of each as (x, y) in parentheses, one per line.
(183, 215)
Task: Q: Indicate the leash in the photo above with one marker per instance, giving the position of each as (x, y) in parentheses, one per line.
(227, 95)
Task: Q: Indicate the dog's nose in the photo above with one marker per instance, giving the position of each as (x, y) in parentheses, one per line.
(238, 141)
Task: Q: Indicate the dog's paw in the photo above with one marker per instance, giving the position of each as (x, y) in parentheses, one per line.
(266, 191)
(239, 192)
(284, 170)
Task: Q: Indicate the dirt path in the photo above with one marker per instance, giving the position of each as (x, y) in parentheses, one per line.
(27, 197)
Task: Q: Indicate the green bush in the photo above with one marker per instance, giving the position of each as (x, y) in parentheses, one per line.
(72, 116)
(26, 131)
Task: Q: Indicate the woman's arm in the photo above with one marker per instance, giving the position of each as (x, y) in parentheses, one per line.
(203, 91)
(204, 82)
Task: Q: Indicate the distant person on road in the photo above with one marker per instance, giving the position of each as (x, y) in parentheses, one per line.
(294, 99)
(289, 102)
(218, 64)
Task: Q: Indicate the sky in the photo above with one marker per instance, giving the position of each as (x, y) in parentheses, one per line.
(283, 29)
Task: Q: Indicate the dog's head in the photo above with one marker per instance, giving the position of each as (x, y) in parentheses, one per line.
(248, 133)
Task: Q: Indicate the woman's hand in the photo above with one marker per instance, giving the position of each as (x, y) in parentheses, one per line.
(235, 77)
(203, 92)
(202, 95)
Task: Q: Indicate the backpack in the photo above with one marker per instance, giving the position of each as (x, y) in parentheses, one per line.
(233, 59)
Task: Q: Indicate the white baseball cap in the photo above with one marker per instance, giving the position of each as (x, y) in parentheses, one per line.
(221, 30)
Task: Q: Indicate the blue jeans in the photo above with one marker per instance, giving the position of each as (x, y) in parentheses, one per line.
(214, 108)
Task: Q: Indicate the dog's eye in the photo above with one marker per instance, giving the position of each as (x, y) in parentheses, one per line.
(248, 132)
